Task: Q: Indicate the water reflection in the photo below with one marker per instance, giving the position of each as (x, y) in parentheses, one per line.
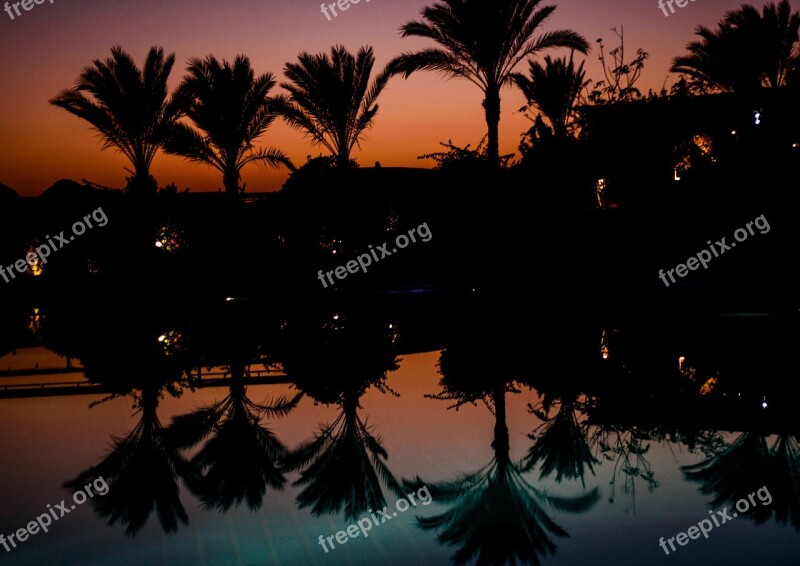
(748, 464)
(143, 467)
(241, 457)
(610, 414)
(560, 443)
(494, 515)
(335, 360)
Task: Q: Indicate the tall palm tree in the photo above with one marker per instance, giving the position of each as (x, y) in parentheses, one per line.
(331, 98)
(553, 89)
(561, 445)
(748, 50)
(142, 471)
(335, 362)
(240, 459)
(482, 41)
(129, 107)
(231, 108)
(494, 515)
(342, 466)
(745, 466)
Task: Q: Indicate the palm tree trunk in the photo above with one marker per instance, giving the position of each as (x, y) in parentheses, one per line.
(491, 106)
(230, 179)
(501, 440)
(142, 184)
(342, 160)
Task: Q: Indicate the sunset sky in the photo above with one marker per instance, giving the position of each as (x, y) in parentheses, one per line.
(43, 51)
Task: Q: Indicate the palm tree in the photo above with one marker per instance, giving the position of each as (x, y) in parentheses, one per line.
(231, 108)
(342, 466)
(335, 362)
(748, 50)
(129, 107)
(142, 471)
(494, 513)
(240, 458)
(331, 98)
(561, 445)
(747, 465)
(553, 88)
(482, 42)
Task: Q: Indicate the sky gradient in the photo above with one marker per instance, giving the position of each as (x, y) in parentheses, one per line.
(44, 50)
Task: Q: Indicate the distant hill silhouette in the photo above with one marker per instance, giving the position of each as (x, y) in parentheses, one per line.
(7, 193)
(70, 191)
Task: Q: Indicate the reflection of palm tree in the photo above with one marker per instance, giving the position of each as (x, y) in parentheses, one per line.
(230, 106)
(335, 362)
(496, 514)
(747, 465)
(332, 99)
(141, 471)
(785, 481)
(733, 473)
(562, 446)
(241, 457)
(343, 467)
(483, 42)
(746, 51)
(130, 108)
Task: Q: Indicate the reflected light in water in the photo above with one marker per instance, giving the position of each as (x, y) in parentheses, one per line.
(35, 321)
(604, 345)
(36, 265)
(171, 341)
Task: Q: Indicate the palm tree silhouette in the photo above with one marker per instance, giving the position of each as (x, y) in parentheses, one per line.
(734, 472)
(561, 444)
(785, 480)
(336, 362)
(231, 108)
(141, 471)
(553, 89)
(746, 51)
(747, 465)
(482, 42)
(129, 107)
(494, 514)
(342, 466)
(240, 458)
(331, 98)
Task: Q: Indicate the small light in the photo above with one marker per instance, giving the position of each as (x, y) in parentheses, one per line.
(733, 132)
(763, 404)
(681, 359)
(162, 337)
(228, 299)
(336, 317)
(758, 118)
(676, 176)
(159, 244)
(794, 144)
